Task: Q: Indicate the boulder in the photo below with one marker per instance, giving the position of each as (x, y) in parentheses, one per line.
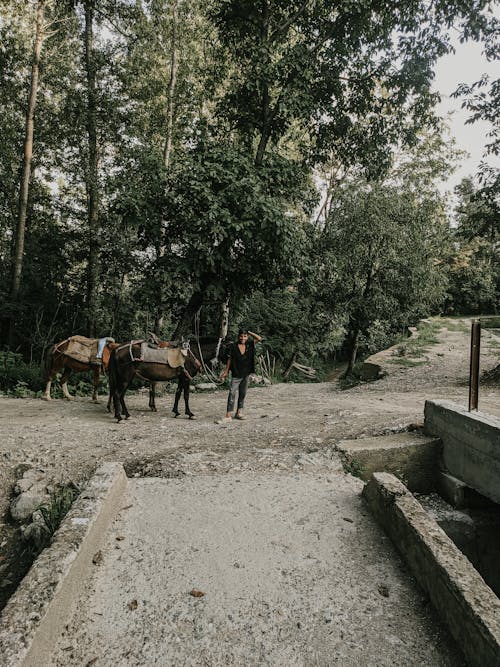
(25, 504)
(206, 386)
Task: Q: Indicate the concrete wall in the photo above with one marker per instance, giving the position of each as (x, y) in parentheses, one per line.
(471, 445)
(465, 603)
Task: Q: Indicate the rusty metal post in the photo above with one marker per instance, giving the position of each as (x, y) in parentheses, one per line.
(475, 342)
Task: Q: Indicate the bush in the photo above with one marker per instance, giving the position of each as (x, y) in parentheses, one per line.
(17, 377)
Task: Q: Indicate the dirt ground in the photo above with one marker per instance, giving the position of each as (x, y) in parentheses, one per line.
(291, 429)
(288, 425)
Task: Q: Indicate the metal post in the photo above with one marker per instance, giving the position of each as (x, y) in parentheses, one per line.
(475, 341)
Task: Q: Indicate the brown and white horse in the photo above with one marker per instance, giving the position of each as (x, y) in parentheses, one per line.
(59, 361)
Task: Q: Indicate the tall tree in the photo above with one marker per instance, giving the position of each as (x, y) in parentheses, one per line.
(26, 162)
(92, 176)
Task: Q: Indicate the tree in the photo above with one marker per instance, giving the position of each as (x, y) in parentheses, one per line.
(381, 261)
(474, 264)
(229, 226)
(352, 77)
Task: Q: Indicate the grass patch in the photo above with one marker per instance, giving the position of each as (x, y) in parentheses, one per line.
(418, 346)
(352, 467)
(490, 322)
(456, 325)
(407, 363)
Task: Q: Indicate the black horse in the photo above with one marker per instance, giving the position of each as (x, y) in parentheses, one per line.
(208, 351)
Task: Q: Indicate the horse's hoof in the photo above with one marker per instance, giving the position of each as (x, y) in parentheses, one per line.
(191, 416)
(46, 398)
(94, 400)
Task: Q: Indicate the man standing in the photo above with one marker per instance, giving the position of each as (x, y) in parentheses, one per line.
(241, 362)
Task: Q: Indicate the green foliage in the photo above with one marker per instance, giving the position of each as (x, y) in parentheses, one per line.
(352, 467)
(60, 502)
(17, 378)
(265, 93)
(418, 345)
(474, 265)
(228, 225)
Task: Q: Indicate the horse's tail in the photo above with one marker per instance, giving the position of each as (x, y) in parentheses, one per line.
(113, 373)
(48, 363)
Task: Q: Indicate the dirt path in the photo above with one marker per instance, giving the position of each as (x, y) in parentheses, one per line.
(286, 423)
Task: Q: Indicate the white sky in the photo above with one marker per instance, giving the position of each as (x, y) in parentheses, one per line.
(466, 65)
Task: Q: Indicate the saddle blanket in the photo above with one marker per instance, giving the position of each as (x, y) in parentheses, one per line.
(173, 357)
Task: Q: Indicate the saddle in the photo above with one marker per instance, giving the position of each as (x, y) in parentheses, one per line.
(83, 349)
(175, 357)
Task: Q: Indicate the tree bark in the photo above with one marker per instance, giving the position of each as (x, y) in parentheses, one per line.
(353, 352)
(171, 89)
(358, 319)
(26, 165)
(224, 320)
(184, 326)
(266, 117)
(92, 183)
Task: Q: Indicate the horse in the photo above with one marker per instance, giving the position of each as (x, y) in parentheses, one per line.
(126, 363)
(208, 351)
(75, 354)
(136, 358)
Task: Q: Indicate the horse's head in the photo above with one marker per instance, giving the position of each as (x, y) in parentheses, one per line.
(185, 347)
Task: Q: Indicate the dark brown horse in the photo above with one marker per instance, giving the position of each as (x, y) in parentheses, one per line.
(130, 360)
(208, 352)
(75, 354)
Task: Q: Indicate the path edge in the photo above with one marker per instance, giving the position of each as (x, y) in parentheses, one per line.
(33, 618)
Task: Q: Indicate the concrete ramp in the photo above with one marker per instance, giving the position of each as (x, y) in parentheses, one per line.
(250, 569)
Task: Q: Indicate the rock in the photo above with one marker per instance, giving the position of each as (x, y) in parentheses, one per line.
(25, 504)
(206, 386)
(259, 380)
(37, 533)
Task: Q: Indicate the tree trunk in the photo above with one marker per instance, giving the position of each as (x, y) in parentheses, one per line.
(224, 320)
(353, 352)
(26, 165)
(171, 89)
(266, 119)
(185, 323)
(92, 170)
(359, 319)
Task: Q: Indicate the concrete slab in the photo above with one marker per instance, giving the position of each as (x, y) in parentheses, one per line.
(250, 569)
(466, 604)
(471, 445)
(410, 456)
(34, 616)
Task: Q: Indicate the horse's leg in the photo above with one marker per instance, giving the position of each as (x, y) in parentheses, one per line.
(187, 383)
(47, 389)
(50, 373)
(152, 388)
(125, 412)
(178, 392)
(64, 383)
(97, 373)
(119, 400)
